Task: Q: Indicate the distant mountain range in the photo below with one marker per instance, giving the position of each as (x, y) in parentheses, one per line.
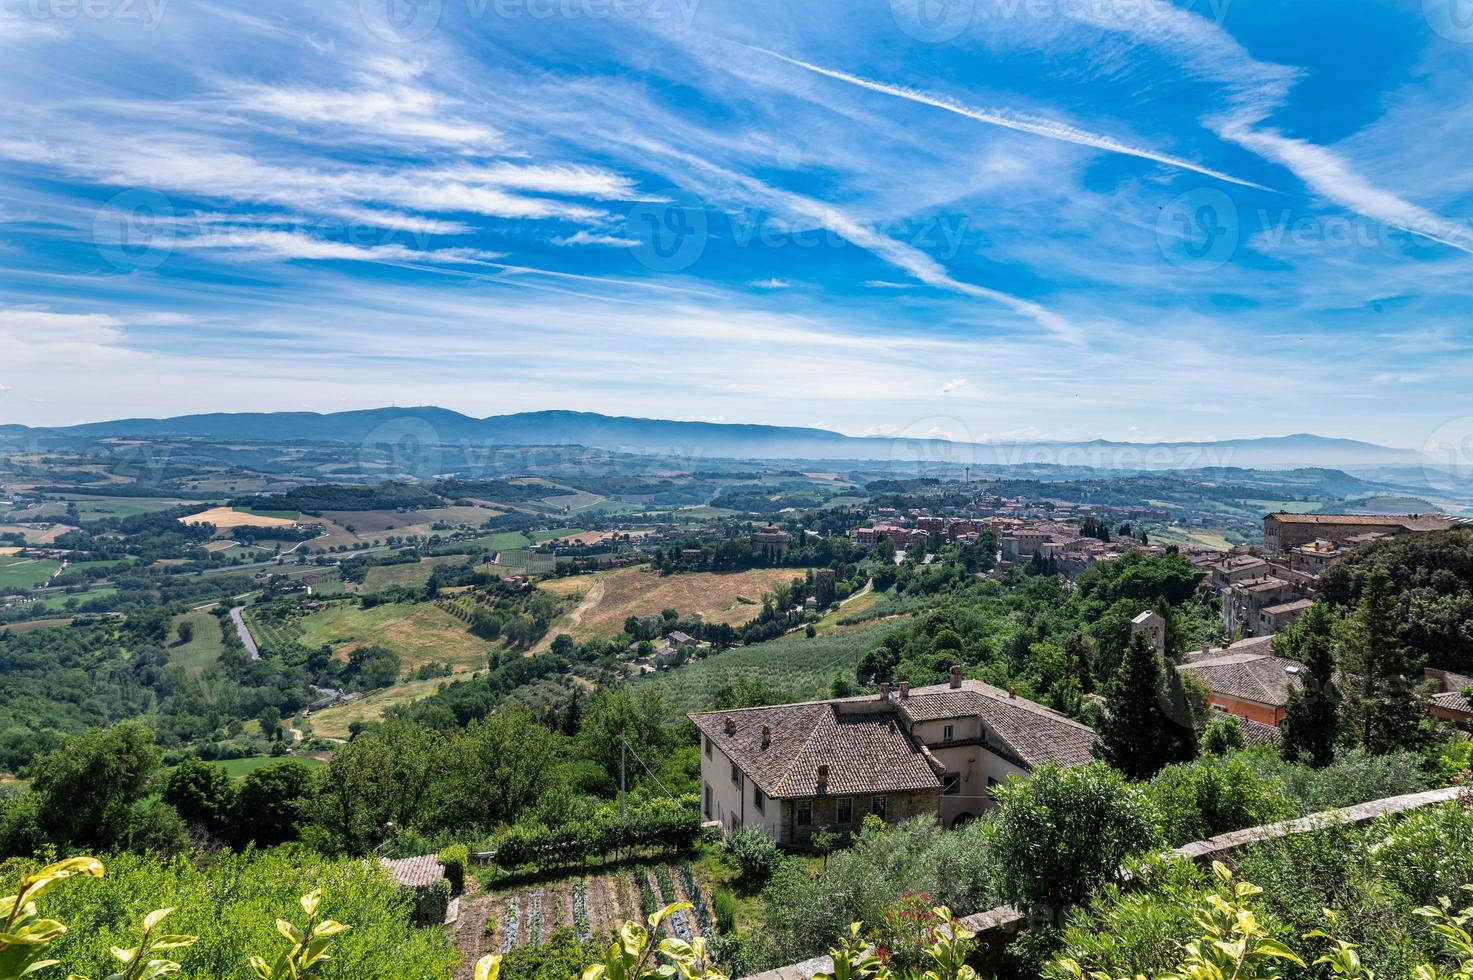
(696, 440)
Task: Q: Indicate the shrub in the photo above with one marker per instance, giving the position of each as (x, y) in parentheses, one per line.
(233, 905)
(1062, 832)
(1355, 776)
(724, 906)
(454, 858)
(754, 853)
(1202, 799)
(431, 902)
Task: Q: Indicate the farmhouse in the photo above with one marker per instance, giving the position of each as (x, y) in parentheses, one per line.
(794, 769)
(1247, 680)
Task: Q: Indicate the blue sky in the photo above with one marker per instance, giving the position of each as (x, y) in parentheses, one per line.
(1128, 219)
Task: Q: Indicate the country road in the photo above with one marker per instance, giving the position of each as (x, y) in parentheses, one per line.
(243, 631)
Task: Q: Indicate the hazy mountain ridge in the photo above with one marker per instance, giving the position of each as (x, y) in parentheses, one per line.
(431, 425)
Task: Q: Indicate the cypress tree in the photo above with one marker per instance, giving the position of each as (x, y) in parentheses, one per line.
(1312, 716)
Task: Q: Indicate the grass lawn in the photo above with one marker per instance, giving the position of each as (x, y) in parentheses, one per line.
(26, 573)
(239, 768)
(420, 633)
(638, 591)
(203, 650)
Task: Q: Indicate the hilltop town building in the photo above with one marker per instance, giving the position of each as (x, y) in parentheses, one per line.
(1283, 532)
(793, 769)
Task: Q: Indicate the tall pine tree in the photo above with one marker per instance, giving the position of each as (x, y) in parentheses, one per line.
(1312, 716)
(1137, 736)
(1384, 707)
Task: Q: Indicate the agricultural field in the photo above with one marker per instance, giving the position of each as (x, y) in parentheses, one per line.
(229, 517)
(381, 577)
(795, 668)
(203, 649)
(336, 722)
(556, 534)
(596, 905)
(606, 599)
(240, 768)
(500, 541)
(420, 633)
(28, 625)
(36, 536)
(26, 573)
(91, 508)
(60, 601)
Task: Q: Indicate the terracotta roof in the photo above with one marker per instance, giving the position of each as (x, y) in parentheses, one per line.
(1257, 733)
(1412, 522)
(1289, 606)
(415, 872)
(866, 751)
(1250, 675)
(1453, 701)
(1252, 644)
(1032, 733)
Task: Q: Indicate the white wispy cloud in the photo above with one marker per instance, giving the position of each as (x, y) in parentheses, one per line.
(585, 237)
(952, 385)
(1020, 122)
(246, 242)
(773, 283)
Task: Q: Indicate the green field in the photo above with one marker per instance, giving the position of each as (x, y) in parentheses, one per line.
(795, 668)
(420, 633)
(540, 536)
(239, 768)
(500, 541)
(58, 602)
(26, 573)
(284, 515)
(413, 575)
(96, 508)
(203, 650)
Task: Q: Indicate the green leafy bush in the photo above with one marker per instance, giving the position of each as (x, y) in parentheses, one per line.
(1210, 796)
(1062, 832)
(455, 858)
(233, 905)
(754, 853)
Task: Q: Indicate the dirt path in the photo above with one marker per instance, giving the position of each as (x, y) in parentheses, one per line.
(574, 619)
(243, 631)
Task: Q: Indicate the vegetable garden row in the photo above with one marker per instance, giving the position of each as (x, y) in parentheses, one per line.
(597, 905)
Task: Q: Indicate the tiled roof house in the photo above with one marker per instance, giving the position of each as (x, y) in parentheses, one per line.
(792, 769)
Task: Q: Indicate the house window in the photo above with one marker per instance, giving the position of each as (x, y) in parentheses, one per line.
(708, 746)
(736, 774)
(948, 733)
(758, 800)
(951, 783)
(805, 813)
(708, 801)
(877, 806)
(846, 810)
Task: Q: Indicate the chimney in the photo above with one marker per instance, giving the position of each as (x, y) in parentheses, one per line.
(956, 677)
(731, 726)
(904, 690)
(766, 736)
(823, 778)
(885, 691)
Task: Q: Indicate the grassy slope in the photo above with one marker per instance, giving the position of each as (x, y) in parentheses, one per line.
(420, 633)
(203, 650)
(641, 592)
(795, 667)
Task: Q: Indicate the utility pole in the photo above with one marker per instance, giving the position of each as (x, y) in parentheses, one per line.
(623, 750)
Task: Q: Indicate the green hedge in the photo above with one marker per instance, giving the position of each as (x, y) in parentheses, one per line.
(663, 827)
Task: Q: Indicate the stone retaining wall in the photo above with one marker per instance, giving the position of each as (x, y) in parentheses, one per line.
(996, 928)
